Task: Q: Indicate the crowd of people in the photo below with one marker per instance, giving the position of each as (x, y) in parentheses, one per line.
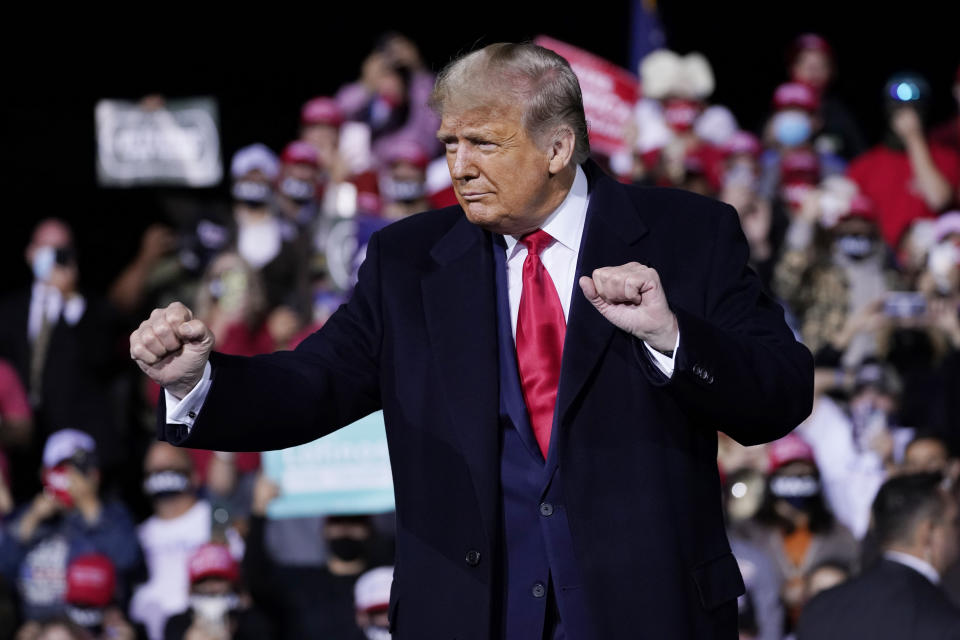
(107, 533)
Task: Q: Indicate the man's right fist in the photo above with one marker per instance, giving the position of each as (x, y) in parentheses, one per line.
(172, 347)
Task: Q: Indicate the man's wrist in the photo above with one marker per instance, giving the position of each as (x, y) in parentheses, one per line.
(664, 341)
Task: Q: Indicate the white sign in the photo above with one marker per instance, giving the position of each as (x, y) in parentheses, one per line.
(177, 144)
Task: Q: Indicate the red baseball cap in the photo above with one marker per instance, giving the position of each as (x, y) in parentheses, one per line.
(212, 561)
(321, 110)
(796, 95)
(405, 151)
(742, 142)
(800, 165)
(790, 448)
(300, 152)
(91, 580)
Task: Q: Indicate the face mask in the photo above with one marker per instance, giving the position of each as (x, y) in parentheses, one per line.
(376, 633)
(252, 192)
(43, 260)
(680, 114)
(791, 128)
(164, 484)
(297, 190)
(56, 480)
(259, 243)
(347, 549)
(213, 608)
(855, 247)
(798, 491)
(401, 190)
(90, 618)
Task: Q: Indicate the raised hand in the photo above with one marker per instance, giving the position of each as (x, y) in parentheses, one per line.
(630, 296)
(172, 347)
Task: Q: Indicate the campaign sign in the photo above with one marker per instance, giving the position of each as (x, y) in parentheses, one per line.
(609, 93)
(346, 472)
(176, 143)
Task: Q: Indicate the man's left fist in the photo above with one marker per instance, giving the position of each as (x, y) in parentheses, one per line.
(630, 296)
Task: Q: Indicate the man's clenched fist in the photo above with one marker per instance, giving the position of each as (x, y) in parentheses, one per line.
(630, 296)
(172, 347)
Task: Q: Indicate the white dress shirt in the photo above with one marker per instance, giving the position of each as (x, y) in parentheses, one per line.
(922, 567)
(565, 225)
(47, 299)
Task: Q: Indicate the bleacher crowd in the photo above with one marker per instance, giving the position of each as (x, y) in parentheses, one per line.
(107, 533)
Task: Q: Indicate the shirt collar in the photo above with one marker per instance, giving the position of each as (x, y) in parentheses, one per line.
(565, 224)
(922, 567)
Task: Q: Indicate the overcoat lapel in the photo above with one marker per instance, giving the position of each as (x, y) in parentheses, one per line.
(459, 303)
(612, 231)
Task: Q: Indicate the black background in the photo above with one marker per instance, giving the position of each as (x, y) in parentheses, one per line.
(263, 61)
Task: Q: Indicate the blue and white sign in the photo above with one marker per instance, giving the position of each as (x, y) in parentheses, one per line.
(346, 472)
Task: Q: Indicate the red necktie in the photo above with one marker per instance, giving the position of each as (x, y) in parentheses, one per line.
(540, 330)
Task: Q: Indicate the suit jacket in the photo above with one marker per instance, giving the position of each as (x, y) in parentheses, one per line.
(637, 450)
(889, 601)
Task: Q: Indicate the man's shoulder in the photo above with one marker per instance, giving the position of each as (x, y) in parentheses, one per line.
(422, 228)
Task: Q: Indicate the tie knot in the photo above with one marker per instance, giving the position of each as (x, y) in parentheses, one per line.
(537, 241)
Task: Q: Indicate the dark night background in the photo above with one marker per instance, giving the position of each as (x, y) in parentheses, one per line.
(262, 68)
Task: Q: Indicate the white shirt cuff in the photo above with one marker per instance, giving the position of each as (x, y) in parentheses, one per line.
(185, 411)
(664, 362)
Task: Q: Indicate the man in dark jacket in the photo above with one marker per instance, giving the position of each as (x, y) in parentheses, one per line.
(916, 525)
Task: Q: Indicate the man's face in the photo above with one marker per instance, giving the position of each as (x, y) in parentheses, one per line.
(501, 176)
(926, 454)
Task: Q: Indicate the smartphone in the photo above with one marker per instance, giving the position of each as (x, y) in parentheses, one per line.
(905, 304)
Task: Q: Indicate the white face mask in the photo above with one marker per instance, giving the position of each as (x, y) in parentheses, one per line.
(259, 242)
(43, 259)
(213, 608)
(376, 633)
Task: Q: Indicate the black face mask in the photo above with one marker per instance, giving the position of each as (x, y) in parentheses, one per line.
(166, 483)
(347, 549)
(800, 492)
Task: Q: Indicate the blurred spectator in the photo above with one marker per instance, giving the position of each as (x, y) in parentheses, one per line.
(219, 610)
(741, 190)
(834, 273)
(298, 184)
(906, 176)
(231, 301)
(916, 524)
(928, 453)
(180, 524)
(371, 599)
(855, 444)
(791, 164)
(794, 526)
(66, 520)
(309, 601)
(403, 180)
(60, 343)
(273, 244)
(392, 96)
(345, 182)
(674, 135)
(92, 600)
(811, 63)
